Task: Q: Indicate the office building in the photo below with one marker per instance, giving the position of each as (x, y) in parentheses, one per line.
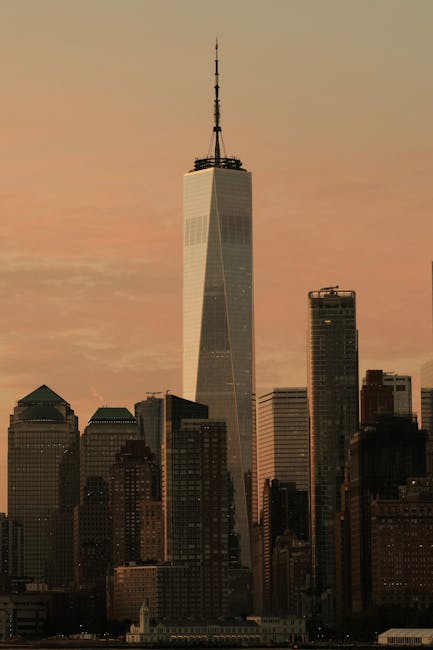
(402, 392)
(427, 409)
(218, 314)
(401, 544)
(195, 501)
(135, 478)
(283, 439)
(103, 438)
(377, 398)
(151, 531)
(11, 552)
(149, 414)
(43, 478)
(381, 458)
(285, 510)
(333, 402)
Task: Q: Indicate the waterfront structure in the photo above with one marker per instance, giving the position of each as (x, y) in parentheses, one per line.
(377, 398)
(406, 636)
(23, 615)
(254, 631)
(283, 439)
(43, 481)
(135, 478)
(402, 392)
(218, 314)
(103, 438)
(381, 458)
(333, 406)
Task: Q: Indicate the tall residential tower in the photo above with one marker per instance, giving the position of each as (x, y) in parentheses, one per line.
(333, 401)
(218, 313)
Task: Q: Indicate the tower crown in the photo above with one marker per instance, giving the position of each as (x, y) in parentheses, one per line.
(217, 160)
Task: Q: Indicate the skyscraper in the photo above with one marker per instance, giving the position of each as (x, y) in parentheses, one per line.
(333, 400)
(381, 458)
(376, 397)
(402, 392)
(218, 313)
(43, 477)
(195, 505)
(283, 438)
(107, 431)
(135, 478)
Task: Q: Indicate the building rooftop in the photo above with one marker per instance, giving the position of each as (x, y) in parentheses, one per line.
(42, 413)
(42, 395)
(115, 414)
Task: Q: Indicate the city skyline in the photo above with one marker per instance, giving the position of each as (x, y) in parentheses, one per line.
(91, 196)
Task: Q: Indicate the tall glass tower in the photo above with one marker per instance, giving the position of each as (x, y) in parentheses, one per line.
(218, 313)
(333, 402)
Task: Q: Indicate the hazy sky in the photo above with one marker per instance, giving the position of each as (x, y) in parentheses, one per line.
(106, 103)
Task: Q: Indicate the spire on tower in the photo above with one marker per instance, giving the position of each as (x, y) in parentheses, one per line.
(217, 127)
(216, 160)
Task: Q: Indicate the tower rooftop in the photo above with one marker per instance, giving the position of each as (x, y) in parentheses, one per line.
(42, 395)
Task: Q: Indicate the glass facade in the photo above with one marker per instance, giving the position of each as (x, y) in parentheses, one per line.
(42, 475)
(217, 322)
(333, 401)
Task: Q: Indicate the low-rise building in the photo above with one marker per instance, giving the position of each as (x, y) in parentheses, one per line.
(406, 636)
(254, 631)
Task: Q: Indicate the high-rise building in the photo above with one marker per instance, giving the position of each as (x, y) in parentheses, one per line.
(427, 409)
(285, 509)
(134, 479)
(43, 478)
(401, 390)
(103, 438)
(381, 458)
(401, 543)
(218, 313)
(149, 414)
(11, 551)
(377, 398)
(195, 500)
(333, 402)
(283, 439)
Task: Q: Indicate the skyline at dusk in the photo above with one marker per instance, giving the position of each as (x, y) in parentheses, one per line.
(105, 106)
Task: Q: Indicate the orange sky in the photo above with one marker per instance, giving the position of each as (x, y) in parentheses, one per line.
(105, 104)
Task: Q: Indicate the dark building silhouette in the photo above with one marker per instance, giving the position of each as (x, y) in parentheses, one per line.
(381, 458)
(195, 502)
(376, 398)
(11, 552)
(401, 547)
(333, 402)
(107, 431)
(291, 566)
(43, 483)
(149, 414)
(135, 477)
(285, 509)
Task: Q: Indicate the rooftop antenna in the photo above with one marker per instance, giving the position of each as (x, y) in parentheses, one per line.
(217, 127)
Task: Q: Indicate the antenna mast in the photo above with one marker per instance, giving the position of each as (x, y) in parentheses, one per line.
(217, 127)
